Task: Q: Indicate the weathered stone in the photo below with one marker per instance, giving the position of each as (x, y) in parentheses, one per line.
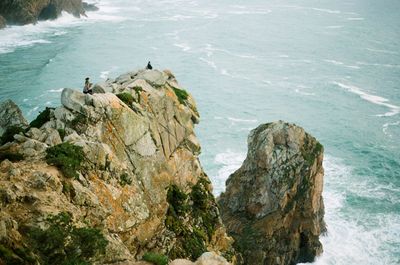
(10, 115)
(73, 100)
(273, 205)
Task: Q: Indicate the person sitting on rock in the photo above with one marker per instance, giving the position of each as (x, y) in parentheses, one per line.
(87, 89)
(149, 67)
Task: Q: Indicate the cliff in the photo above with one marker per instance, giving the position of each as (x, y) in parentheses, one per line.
(108, 178)
(273, 206)
(21, 12)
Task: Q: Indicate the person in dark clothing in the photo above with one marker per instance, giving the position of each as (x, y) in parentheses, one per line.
(87, 89)
(149, 67)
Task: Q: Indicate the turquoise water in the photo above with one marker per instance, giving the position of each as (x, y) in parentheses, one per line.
(332, 67)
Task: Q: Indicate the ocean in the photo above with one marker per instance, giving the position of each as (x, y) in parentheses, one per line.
(332, 67)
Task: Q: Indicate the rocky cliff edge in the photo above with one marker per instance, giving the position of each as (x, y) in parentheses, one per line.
(112, 178)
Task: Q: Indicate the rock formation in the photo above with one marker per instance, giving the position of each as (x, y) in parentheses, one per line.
(273, 206)
(118, 169)
(11, 116)
(2, 22)
(30, 11)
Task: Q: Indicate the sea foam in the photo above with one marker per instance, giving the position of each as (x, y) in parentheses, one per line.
(377, 100)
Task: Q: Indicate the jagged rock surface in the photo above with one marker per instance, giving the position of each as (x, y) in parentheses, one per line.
(141, 181)
(273, 206)
(10, 115)
(23, 12)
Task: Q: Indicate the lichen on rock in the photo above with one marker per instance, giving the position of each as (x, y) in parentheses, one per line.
(273, 206)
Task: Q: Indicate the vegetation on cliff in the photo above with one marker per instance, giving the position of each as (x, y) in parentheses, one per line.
(67, 157)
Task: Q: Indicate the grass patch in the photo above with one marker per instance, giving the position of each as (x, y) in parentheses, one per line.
(181, 94)
(8, 135)
(65, 244)
(67, 157)
(126, 98)
(157, 259)
(13, 157)
(42, 118)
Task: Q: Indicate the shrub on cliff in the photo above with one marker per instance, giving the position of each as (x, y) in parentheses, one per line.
(193, 218)
(42, 118)
(13, 157)
(181, 94)
(67, 157)
(126, 98)
(65, 244)
(156, 259)
(8, 135)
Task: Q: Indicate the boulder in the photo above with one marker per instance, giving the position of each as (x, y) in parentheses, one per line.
(273, 206)
(10, 115)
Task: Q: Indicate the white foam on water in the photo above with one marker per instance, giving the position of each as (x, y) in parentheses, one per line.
(334, 27)
(351, 239)
(381, 51)
(250, 12)
(301, 92)
(386, 127)
(380, 65)
(184, 46)
(355, 18)
(342, 64)
(208, 62)
(242, 120)
(13, 37)
(210, 49)
(377, 100)
(56, 90)
(326, 10)
(104, 74)
(228, 161)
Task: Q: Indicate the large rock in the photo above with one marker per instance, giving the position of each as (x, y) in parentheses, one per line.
(273, 206)
(141, 181)
(30, 11)
(10, 115)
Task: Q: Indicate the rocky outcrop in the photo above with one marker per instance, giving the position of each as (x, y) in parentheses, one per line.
(30, 11)
(10, 115)
(2, 22)
(123, 161)
(273, 206)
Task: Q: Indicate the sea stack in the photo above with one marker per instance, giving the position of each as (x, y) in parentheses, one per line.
(273, 206)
